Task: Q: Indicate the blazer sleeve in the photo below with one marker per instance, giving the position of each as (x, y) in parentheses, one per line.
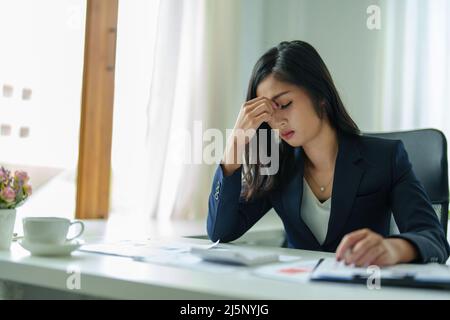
(413, 212)
(229, 215)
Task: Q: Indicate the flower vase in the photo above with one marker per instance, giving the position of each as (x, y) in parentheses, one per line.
(7, 221)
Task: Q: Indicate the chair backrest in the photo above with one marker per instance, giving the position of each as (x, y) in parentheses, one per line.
(427, 151)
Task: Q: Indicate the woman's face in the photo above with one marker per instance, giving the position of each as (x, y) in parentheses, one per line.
(295, 116)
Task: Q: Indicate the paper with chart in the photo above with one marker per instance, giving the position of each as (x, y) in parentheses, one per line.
(298, 271)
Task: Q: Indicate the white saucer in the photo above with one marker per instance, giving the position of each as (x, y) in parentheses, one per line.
(41, 249)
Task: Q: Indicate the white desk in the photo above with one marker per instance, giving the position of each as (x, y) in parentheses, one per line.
(122, 278)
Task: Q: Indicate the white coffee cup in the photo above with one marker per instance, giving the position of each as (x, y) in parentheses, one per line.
(49, 230)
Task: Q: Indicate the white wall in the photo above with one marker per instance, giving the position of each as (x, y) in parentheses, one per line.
(337, 29)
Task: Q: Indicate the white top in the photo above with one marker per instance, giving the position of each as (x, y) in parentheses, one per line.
(315, 213)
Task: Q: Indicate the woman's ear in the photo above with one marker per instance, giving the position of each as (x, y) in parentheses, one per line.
(322, 108)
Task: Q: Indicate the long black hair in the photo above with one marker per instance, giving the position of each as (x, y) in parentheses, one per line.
(295, 62)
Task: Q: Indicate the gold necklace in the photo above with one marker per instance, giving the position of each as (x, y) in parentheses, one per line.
(321, 188)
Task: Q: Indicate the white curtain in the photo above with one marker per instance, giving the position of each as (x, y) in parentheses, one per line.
(176, 99)
(416, 83)
(161, 87)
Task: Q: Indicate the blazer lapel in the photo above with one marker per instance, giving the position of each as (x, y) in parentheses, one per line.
(347, 176)
(293, 192)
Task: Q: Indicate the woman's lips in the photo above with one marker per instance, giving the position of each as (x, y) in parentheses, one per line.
(288, 134)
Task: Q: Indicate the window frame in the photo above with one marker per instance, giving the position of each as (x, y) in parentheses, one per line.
(97, 102)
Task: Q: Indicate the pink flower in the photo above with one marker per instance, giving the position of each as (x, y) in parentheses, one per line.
(8, 194)
(21, 176)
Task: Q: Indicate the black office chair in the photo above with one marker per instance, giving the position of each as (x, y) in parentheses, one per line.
(427, 151)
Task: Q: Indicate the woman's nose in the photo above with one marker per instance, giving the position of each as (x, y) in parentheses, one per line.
(279, 122)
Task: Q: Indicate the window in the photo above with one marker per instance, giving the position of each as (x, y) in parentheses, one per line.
(41, 65)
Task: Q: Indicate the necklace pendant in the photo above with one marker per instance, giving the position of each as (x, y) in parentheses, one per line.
(322, 189)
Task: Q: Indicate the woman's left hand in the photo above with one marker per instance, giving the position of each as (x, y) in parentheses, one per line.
(365, 247)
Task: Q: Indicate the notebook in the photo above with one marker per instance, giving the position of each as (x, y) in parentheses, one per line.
(430, 275)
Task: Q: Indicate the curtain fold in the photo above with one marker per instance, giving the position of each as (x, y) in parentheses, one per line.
(161, 108)
(416, 81)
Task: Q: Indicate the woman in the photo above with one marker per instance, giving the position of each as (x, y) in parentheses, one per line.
(335, 189)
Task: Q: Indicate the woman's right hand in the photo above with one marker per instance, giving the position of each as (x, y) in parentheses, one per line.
(252, 114)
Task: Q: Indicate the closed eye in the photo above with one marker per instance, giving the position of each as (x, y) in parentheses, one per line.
(286, 105)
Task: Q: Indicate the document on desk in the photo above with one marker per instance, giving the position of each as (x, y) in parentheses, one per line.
(187, 255)
(172, 253)
(298, 271)
(430, 275)
(143, 248)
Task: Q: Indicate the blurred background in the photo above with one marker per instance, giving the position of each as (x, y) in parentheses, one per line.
(181, 61)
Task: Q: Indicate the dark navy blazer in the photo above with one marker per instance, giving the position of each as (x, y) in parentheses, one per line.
(373, 179)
